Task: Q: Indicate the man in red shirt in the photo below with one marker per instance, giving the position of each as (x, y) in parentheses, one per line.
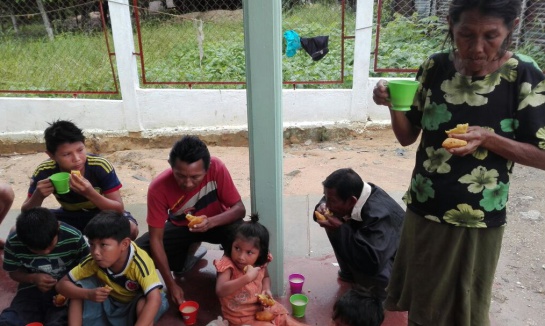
(196, 184)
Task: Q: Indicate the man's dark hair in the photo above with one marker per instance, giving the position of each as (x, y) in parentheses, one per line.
(108, 225)
(62, 132)
(508, 10)
(251, 231)
(36, 228)
(346, 182)
(359, 307)
(189, 149)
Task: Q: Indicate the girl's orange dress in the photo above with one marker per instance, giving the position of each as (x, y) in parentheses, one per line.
(239, 308)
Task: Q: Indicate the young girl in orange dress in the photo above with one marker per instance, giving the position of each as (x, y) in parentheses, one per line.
(243, 285)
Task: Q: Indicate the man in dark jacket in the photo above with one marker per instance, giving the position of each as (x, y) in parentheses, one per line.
(363, 224)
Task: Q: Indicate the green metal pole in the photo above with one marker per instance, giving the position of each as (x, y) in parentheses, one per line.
(263, 47)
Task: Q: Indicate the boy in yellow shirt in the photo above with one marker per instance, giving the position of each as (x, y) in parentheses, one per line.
(117, 284)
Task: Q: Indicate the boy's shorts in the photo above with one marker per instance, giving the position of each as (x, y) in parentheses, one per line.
(112, 312)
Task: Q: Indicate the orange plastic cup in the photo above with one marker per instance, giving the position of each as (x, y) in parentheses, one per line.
(189, 310)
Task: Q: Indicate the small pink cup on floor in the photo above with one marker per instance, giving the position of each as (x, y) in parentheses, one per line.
(296, 283)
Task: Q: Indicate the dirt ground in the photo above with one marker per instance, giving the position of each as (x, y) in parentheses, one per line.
(519, 290)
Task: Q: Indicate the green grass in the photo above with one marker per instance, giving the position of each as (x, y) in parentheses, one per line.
(72, 62)
(77, 61)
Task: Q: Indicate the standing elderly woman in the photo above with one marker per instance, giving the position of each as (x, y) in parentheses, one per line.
(456, 214)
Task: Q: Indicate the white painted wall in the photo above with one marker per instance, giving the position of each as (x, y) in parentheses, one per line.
(149, 110)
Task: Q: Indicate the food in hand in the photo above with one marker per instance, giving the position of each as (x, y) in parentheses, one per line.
(461, 128)
(108, 287)
(266, 300)
(319, 216)
(453, 143)
(264, 315)
(60, 299)
(322, 217)
(245, 270)
(76, 172)
(194, 220)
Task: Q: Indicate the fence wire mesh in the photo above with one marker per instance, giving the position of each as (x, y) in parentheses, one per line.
(65, 46)
(202, 43)
(407, 31)
(54, 47)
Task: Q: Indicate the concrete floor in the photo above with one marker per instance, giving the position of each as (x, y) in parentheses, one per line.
(306, 251)
(321, 286)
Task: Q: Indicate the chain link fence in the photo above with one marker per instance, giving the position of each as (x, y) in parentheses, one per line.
(65, 47)
(407, 31)
(55, 47)
(200, 44)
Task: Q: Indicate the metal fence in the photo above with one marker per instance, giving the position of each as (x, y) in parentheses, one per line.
(55, 47)
(201, 44)
(65, 47)
(407, 31)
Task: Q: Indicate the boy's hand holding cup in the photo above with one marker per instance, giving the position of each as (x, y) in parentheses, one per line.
(44, 188)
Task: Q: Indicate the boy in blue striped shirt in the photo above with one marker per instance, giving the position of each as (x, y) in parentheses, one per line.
(37, 254)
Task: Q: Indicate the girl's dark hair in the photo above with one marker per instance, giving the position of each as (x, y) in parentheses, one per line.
(359, 307)
(61, 132)
(508, 10)
(108, 225)
(251, 230)
(189, 149)
(36, 228)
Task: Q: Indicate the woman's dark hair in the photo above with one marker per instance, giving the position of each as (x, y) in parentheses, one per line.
(36, 228)
(62, 132)
(108, 225)
(189, 149)
(508, 10)
(359, 307)
(346, 182)
(251, 231)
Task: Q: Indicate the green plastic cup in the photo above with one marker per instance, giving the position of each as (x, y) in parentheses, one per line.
(61, 182)
(402, 94)
(298, 304)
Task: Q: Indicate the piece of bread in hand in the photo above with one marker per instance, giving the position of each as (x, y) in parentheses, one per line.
(266, 300)
(75, 172)
(60, 299)
(194, 220)
(264, 315)
(460, 128)
(322, 217)
(319, 216)
(453, 143)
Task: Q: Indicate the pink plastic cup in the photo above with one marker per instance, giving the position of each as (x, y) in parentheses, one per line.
(296, 283)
